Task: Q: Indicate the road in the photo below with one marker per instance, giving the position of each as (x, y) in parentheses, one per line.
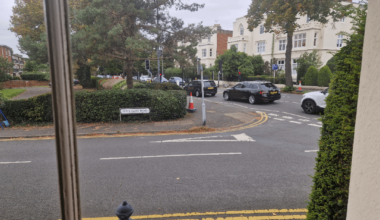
(264, 167)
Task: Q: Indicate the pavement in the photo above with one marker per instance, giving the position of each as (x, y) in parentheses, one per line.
(219, 118)
(32, 91)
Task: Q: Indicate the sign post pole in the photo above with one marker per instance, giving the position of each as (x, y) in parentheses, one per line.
(203, 94)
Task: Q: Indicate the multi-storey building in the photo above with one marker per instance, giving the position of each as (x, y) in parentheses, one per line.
(208, 49)
(311, 35)
(6, 52)
(18, 66)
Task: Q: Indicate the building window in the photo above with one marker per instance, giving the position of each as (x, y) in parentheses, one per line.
(294, 71)
(282, 45)
(340, 41)
(281, 65)
(261, 29)
(315, 39)
(209, 39)
(241, 30)
(244, 48)
(261, 47)
(203, 52)
(210, 52)
(299, 40)
(307, 19)
(210, 65)
(343, 19)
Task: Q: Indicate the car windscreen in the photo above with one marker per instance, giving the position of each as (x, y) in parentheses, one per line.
(209, 84)
(267, 86)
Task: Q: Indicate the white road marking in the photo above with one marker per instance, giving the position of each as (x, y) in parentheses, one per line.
(295, 122)
(295, 115)
(319, 126)
(296, 103)
(240, 106)
(303, 120)
(175, 155)
(287, 117)
(280, 119)
(238, 138)
(319, 123)
(15, 162)
(271, 114)
(311, 151)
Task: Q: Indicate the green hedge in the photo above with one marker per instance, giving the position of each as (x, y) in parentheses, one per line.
(84, 76)
(157, 86)
(101, 106)
(119, 85)
(35, 76)
(329, 196)
(324, 76)
(311, 77)
(16, 78)
(94, 81)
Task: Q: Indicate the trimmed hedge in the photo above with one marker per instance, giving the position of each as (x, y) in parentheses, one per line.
(157, 86)
(35, 76)
(119, 85)
(324, 76)
(84, 76)
(311, 77)
(329, 196)
(16, 78)
(101, 106)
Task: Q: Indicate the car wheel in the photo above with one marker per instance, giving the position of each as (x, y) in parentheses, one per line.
(252, 99)
(226, 96)
(309, 106)
(197, 93)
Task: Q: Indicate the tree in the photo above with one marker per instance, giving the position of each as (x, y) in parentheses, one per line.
(332, 64)
(324, 76)
(329, 196)
(307, 60)
(311, 77)
(5, 67)
(280, 16)
(234, 61)
(122, 30)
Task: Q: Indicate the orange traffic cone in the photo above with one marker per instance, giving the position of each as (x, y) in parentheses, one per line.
(299, 87)
(191, 108)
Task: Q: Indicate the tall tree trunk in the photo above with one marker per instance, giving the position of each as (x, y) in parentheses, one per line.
(288, 60)
(128, 69)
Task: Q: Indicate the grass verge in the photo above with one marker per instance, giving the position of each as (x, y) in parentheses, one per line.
(10, 93)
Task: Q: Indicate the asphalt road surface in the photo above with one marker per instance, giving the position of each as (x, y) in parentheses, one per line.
(264, 167)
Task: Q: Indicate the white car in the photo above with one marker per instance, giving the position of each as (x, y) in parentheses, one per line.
(313, 102)
(145, 78)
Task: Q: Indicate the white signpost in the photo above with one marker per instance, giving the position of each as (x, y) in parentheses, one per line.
(133, 111)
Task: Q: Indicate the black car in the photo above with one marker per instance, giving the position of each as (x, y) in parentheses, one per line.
(253, 91)
(196, 87)
(175, 79)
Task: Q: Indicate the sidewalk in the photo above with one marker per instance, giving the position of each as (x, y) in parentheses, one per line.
(219, 117)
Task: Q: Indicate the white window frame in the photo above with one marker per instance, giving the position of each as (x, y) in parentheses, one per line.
(210, 52)
(244, 48)
(294, 67)
(299, 40)
(241, 30)
(339, 43)
(282, 45)
(315, 39)
(307, 19)
(262, 29)
(204, 53)
(281, 64)
(261, 47)
(209, 39)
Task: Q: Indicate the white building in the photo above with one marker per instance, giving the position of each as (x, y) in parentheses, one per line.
(311, 35)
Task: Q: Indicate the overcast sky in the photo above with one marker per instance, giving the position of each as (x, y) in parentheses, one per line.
(223, 12)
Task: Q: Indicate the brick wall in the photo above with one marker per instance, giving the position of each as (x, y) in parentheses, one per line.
(222, 39)
(23, 83)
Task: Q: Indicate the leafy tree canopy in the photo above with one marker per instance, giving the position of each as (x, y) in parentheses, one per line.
(307, 60)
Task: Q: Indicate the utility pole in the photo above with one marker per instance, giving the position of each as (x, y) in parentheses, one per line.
(203, 94)
(162, 64)
(158, 62)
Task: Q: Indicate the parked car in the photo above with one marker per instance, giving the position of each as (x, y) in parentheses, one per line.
(134, 78)
(253, 91)
(157, 79)
(209, 87)
(313, 102)
(145, 78)
(175, 79)
(100, 76)
(108, 76)
(76, 82)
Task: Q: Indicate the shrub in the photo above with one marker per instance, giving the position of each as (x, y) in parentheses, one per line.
(119, 85)
(5, 77)
(289, 89)
(311, 77)
(158, 86)
(16, 78)
(332, 64)
(101, 106)
(329, 196)
(94, 80)
(324, 76)
(35, 76)
(84, 76)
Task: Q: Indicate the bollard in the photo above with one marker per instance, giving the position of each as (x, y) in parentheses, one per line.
(124, 211)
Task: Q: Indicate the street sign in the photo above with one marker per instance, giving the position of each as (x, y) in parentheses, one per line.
(274, 67)
(133, 111)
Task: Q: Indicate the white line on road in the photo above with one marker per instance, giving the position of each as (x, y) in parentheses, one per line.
(271, 114)
(280, 119)
(287, 117)
(295, 115)
(238, 138)
(175, 155)
(319, 126)
(303, 120)
(319, 123)
(295, 122)
(311, 151)
(240, 105)
(15, 162)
